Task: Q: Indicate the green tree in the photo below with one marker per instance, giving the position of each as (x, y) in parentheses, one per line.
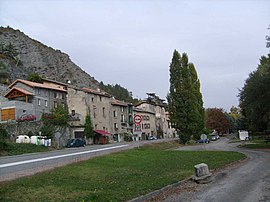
(55, 122)
(34, 77)
(185, 103)
(88, 130)
(255, 97)
(234, 116)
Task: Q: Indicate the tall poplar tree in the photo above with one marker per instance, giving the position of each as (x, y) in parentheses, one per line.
(185, 103)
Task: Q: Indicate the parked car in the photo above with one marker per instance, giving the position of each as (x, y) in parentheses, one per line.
(214, 137)
(77, 142)
(27, 117)
(203, 141)
(152, 138)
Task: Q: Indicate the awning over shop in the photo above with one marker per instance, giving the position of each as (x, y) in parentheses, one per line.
(102, 132)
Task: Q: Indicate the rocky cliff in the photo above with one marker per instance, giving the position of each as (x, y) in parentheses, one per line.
(20, 56)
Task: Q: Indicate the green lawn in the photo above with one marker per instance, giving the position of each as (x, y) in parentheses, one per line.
(16, 149)
(116, 177)
(261, 145)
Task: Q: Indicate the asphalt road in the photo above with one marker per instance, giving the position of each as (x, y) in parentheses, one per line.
(247, 182)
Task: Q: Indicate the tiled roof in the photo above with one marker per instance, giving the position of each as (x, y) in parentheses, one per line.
(135, 109)
(19, 89)
(89, 90)
(36, 85)
(118, 102)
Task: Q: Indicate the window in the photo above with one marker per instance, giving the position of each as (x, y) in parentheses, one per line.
(55, 104)
(63, 96)
(95, 114)
(46, 103)
(39, 102)
(100, 98)
(92, 99)
(115, 126)
(114, 113)
(129, 109)
(103, 112)
(122, 109)
(55, 95)
(38, 90)
(73, 112)
(122, 118)
(95, 126)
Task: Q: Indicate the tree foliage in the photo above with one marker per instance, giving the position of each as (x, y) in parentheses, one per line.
(234, 117)
(268, 39)
(255, 97)
(52, 122)
(118, 92)
(216, 119)
(34, 77)
(185, 103)
(88, 130)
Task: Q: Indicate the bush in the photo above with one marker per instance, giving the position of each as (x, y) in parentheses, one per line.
(3, 139)
(184, 138)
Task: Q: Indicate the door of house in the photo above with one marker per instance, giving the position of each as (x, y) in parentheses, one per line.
(8, 114)
(79, 134)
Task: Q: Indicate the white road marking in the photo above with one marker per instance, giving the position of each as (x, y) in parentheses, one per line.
(59, 156)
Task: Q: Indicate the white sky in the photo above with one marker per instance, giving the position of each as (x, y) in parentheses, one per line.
(131, 42)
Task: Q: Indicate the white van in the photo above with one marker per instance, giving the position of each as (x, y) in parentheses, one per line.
(243, 135)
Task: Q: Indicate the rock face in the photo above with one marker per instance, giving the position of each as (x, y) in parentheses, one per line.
(34, 57)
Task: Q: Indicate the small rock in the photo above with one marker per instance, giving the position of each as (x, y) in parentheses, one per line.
(202, 174)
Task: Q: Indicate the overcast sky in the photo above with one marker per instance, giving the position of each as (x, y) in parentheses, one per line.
(131, 42)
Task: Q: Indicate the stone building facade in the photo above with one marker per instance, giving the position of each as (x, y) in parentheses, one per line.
(148, 124)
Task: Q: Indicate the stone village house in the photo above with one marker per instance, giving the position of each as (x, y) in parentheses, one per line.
(148, 124)
(26, 97)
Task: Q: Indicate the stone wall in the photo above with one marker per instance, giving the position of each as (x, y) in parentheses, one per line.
(24, 128)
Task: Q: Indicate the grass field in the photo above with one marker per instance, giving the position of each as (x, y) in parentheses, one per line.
(115, 177)
(258, 145)
(16, 149)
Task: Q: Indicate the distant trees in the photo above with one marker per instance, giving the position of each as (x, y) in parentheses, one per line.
(216, 119)
(185, 103)
(118, 92)
(255, 97)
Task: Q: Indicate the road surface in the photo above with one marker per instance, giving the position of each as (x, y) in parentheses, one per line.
(247, 182)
